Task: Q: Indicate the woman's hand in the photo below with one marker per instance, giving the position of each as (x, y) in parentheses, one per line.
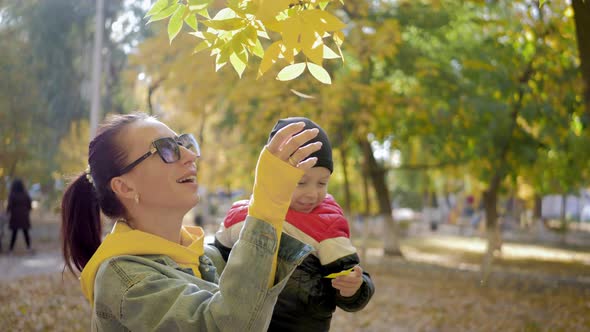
(349, 284)
(281, 165)
(288, 145)
(275, 181)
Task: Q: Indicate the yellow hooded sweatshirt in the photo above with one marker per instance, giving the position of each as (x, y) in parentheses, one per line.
(124, 240)
(270, 202)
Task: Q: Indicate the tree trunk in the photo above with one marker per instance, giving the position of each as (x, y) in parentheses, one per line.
(563, 206)
(367, 199)
(563, 218)
(490, 197)
(151, 90)
(377, 175)
(538, 208)
(2, 194)
(501, 168)
(365, 215)
(347, 195)
(538, 225)
(582, 22)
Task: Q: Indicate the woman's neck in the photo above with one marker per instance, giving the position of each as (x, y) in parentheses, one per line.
(161, 224)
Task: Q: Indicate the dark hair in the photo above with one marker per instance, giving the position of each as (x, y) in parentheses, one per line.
(91, 193)
(17, 187)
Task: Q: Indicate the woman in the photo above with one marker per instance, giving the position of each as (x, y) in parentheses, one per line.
(19, 209)
(150, 273)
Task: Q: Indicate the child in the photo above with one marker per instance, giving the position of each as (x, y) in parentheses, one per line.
(312, 292)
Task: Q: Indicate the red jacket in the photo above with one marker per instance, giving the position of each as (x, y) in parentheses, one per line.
(308, 300)
(325, 228)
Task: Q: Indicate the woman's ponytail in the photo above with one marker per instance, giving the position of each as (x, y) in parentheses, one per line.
(90, 193)
(81, 227)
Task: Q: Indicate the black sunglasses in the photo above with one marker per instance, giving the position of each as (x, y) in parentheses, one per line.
(168, 149)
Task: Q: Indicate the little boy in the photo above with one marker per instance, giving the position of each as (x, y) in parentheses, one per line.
(330, 276)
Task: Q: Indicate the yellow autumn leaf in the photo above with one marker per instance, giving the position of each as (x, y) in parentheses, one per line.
(205, 44)
(237, 63)
(230, 24)
(270, 56)
(338, 37)
(319, 73)
(312, 45)
(257, 49)
(329, 54)
(291, 31)
(291, 72)
(289, 53)
(322, 20)
(269, 9)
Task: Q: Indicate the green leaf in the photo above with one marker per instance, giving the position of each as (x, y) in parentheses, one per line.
(291, 72)
(191, 20)
(204, 13)
(164, 13)
(238, 64)
(202, 46)
(175, 24)
(204, 35)
(251, 36)
(223, 56)
(197, 5)
(157, 7)
(324, 4)
(257, 50)
(541, 3)
(319, 73)
(225, 14)
(226, 25)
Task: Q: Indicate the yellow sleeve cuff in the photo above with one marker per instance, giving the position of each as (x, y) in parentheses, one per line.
(274, 183)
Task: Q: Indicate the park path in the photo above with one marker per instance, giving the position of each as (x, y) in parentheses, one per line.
(22, 264)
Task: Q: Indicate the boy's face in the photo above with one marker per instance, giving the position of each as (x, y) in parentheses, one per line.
(311, 189)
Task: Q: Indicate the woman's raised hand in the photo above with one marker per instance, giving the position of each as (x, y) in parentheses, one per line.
(288, 145)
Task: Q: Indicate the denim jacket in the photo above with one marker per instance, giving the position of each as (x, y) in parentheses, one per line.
(153, 293)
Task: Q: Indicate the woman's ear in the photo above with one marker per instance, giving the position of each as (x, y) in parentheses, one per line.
(123, 188)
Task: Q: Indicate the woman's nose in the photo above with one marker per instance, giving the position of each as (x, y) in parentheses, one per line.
(187, 155)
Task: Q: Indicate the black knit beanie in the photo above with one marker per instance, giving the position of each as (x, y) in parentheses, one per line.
(324, 154)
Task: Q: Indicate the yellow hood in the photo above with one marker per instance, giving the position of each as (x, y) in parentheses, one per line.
(124, 240)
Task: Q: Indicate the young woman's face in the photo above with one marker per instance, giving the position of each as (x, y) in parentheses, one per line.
(311, 189)
(160, 185)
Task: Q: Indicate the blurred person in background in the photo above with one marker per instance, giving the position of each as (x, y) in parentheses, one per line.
(19, 210)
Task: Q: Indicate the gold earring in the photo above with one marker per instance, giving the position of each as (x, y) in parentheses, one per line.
(137, 198)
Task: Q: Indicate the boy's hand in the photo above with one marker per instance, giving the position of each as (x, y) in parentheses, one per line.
(349, 284)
